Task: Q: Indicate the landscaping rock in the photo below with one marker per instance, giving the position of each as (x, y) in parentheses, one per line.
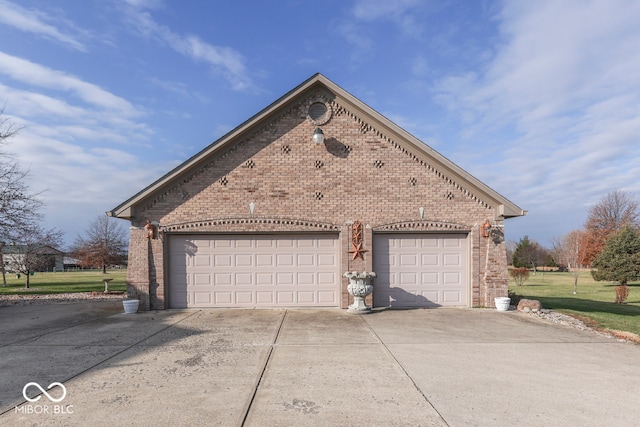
(531, 304)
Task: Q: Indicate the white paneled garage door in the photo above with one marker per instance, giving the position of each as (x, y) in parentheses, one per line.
(254, 271)
(420, 270)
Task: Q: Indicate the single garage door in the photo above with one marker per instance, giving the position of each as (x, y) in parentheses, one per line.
(420, 270)
(254, 271)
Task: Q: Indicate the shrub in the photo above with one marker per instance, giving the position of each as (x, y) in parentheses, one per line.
(520, 275)
(515, 298)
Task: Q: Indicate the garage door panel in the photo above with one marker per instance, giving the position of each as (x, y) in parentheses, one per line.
(285, 297)
(243, 261)
(265, 260)
(264, 298)
(451, 279)
(240, 243)
(264, 244)
(254, 271)
(306, 298)
(327, 279)
(218, 243)
(202, 298)
(430, 298)
(202, 261)
(408, 260)
(285, 243)
(284, 260)
(264, 279)
(326, 260)
(222, 279)
(439, 268)
(244, 298)
(285, 279)
(429, 260)
(305, 244)
(452, 297)
(220, 298)
(306, 279)
(430, 278)
(327, 298)
(452, 243)
(201, 280)
(305, 260)
(407, 279)
(222, 260)
(244, 279)
(452, 260)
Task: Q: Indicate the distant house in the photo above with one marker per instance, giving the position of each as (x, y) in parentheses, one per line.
(14, 255)
(71, 263)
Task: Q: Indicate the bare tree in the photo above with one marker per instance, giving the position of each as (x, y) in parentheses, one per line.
(105, 243)
(18, 205)
(608, 216)
(31, 250)
(569, 250)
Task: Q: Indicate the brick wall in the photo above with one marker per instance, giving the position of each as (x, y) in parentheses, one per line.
(361, 172)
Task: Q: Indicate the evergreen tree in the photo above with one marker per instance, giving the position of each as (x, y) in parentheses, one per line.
(619, 261)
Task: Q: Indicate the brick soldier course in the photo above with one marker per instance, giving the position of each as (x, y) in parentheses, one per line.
(267, 176)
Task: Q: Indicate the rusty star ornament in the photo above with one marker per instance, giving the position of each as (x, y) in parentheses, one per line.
(357, 251)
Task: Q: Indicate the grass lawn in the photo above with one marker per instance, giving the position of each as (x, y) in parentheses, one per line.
(594, 300)
(73, 281)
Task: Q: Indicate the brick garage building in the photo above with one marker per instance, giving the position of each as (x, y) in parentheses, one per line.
(266, 217)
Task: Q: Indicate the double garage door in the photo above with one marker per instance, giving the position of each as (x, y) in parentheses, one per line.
(414, 270)
(254, 271)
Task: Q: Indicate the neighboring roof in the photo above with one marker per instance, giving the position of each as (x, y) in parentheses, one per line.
(505, 208)
(20, 249)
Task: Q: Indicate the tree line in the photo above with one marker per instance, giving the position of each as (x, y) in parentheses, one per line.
(24, 242)
(608, 244)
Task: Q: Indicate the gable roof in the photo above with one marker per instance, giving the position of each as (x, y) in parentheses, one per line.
(12, 249)
(504, 207)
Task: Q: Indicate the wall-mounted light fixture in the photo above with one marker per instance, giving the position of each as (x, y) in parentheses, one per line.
(151, 228)
(485, 229)
(318, 136)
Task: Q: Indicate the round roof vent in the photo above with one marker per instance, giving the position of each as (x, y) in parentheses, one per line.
(319, 113)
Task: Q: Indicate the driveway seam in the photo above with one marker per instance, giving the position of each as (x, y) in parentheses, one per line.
(264, 369)
(388, 350)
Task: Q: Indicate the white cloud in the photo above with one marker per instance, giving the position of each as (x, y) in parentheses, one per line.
(398, 11)
(558, 101)
(224, 60)
(32, 21)
(34, 74)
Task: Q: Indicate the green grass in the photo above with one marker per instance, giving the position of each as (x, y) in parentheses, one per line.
(594, 300)
(73, 281)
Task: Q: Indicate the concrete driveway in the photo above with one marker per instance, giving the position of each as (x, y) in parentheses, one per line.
(438, 367)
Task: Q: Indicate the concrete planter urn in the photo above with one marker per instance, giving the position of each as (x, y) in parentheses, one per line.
(360, 285)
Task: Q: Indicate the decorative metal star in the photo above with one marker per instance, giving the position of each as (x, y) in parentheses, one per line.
(357, 251)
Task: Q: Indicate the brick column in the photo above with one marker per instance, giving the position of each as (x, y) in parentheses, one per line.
(138, 268)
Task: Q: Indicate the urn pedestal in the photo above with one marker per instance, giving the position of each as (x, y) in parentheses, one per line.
(360, 285)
